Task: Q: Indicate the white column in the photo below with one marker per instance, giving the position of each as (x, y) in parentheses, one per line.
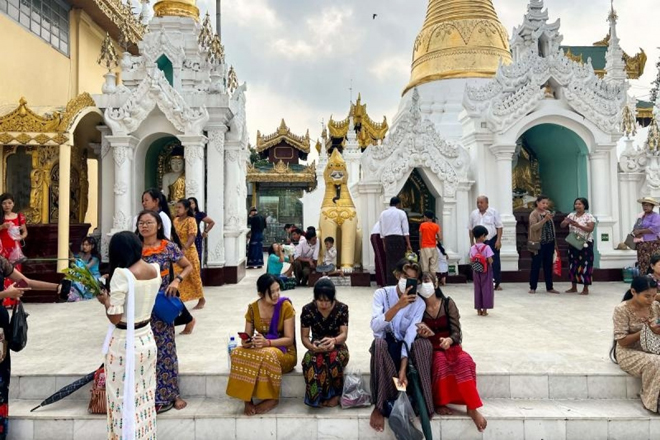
(216, 195)
(630, 185)
(123, 149)
(502, 201)
(369, 208)
(193, 148)
(234, 253)
(64, 205)
(461, 218)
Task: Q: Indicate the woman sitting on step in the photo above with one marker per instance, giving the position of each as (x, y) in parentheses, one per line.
(453, 372)
(633, 318)
(327, 353)
(257, 366)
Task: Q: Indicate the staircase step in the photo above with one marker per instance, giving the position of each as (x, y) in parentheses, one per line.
(491, 386)
(211, 419)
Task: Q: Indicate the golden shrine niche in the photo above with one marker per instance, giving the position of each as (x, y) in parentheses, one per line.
(367, 131)
(526, 178)
(177, 189)
(416, 198)
(36, 139)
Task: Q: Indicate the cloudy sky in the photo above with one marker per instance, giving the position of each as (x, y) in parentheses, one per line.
(300, 57)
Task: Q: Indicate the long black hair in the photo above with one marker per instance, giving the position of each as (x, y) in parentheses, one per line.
(163, 207)
(160, 234)
(196, 209)
(95, 247)
(124, 250)
(3, 197)
(264, 284)
(639, 284)
(186, 204)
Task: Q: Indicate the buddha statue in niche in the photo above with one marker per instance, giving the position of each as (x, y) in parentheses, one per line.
(174, 182)
(526, 182)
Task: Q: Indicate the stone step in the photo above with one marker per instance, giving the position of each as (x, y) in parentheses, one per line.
(211, 419)
(491, 386)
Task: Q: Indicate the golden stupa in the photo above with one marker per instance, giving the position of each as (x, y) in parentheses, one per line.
(459, 39)
(176, 8)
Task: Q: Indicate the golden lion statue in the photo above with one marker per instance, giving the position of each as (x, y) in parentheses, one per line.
(338, 214)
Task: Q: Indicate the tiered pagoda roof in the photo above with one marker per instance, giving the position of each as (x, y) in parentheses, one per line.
(368, 131)
(283, 134)
(634, 64)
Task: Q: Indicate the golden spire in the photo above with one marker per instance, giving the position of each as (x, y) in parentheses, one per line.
(176, 8)
(459, 39)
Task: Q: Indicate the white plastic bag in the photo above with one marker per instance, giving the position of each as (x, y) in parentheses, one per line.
(443, 265)
(354, 394)
(401, 419)
(16, 255)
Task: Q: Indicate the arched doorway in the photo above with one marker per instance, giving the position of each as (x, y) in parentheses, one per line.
(416, 197)
(550, 159)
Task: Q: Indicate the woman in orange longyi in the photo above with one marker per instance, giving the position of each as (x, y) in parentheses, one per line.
(186, 228)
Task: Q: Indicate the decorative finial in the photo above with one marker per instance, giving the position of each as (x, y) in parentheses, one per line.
(653, 140)
(232, 80)
(108, 56)
(206, 33)
(628, 123)
(216, 51)
(126, 39)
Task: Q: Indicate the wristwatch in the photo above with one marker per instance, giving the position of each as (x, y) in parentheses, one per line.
(179, 277)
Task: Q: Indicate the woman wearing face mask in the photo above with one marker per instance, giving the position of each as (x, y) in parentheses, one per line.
(453, 372)
(394, 315)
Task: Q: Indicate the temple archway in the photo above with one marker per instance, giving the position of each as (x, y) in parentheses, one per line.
(416, 197)
(550, 159)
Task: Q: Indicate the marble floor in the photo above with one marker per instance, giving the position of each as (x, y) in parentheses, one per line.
(524, 334)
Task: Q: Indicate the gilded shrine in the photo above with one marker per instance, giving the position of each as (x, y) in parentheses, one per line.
(368, 132)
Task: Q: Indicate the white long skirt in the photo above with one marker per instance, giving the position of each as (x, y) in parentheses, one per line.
(145, 383)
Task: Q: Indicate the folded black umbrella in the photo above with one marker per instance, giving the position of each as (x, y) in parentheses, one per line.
(418, 395)
(68, 390)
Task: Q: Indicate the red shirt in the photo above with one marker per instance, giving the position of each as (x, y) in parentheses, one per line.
(427, 233)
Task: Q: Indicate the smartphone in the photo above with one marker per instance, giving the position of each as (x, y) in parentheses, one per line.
(422, 325)
(244, 336)
(66, 288)
(411, 282)
(22, 284)
(316, 343)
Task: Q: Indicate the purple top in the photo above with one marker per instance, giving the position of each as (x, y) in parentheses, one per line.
(650, 221)
(485, 250)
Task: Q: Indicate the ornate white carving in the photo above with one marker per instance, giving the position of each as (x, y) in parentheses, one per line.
(194, 153)
(238, 125)
(192, 188)
(217, 140)
(415, 143)
(120, 188)
(154, 91)
(218, 254)
(105, 146)
(156, 44)
(519, 88)
(119, 221)
(120, 153)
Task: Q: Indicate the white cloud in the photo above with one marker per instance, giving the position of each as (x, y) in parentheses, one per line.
(253, 14)
(392, 69)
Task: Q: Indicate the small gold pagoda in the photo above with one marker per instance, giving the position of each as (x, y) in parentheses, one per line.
(176, 8)
(368, 132)
(459, 39)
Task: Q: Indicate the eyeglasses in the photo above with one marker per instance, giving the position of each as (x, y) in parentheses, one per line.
(144, 224)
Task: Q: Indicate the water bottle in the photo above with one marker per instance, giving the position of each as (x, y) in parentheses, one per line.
(230, 347)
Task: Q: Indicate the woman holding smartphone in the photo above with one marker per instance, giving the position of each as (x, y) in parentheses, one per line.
(453, 371)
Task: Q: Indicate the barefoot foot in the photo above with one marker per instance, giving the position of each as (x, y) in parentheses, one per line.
(266, 405)
(444, 410)
(532, 292)
(179, 403)
(332, 402)
(377, 421)
(553, 291)
(200, 304)
(479, 420)
(571, 290)
(188, 329)
(585, 291)
(249, 410)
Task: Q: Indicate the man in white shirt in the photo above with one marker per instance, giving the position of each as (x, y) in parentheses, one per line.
(305, 257)
(395, 234)
(490, 219)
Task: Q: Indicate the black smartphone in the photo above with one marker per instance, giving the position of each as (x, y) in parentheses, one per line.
(411, 282)
(65, 289)
(22, 284)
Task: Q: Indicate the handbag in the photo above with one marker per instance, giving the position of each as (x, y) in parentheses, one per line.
(97, 403)
(19, 327)
(533, 246)
(167, 308)
(577, 241)
(649, 341)
(630, 242)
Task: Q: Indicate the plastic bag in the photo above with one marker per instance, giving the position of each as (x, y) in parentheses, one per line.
(355, 394)
(556, 263)
(401, 419)
(16, 255)
(443, 264)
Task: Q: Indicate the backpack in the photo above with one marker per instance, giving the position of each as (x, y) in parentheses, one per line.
(479, 261)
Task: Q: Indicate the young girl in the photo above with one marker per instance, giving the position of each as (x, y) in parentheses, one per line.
(91, 258)
(484, 293)
(186, 228)
(12, 232)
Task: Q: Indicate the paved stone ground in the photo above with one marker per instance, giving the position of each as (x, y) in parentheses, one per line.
(524, 334)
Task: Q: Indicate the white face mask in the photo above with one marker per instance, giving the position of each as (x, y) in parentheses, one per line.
(402, 285)
(426, 290)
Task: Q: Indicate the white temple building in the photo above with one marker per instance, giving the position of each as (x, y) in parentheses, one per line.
(178, 96)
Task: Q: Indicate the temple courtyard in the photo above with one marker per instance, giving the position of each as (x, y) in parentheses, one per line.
(542, 362)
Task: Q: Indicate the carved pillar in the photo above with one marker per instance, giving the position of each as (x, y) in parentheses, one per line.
(604, 199)
(216, 196)
(234, 252)
(64, 205)
(501, 199)
(193, 150)
(369, 208)
(106, 195)
(461, 218)
(123, 148)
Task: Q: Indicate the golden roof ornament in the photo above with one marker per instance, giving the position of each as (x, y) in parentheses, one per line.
(369, 133)
(283, 134)
(459, 39)
(176, 8)
(653, 140)
(205, 37)
(216, 51)
(628, 122)
(108, 56)
(232, 80)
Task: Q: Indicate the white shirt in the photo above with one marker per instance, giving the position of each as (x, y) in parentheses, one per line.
(403, 324)
(306, 250)
(376, 229)
(393, 221)
(145, 295)
(490, 220)
(167, 224)
(330, 256)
